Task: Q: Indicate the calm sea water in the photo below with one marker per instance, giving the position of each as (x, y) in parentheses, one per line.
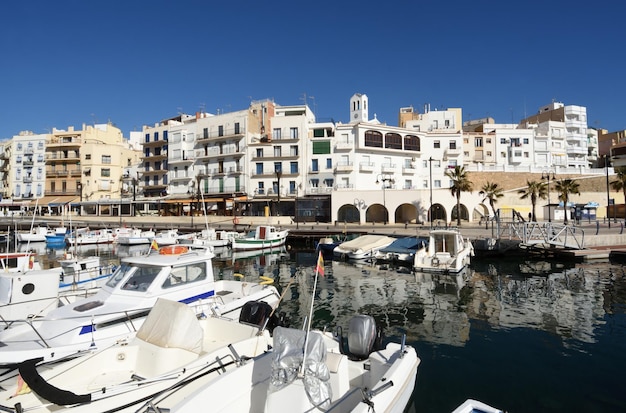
(521, 335)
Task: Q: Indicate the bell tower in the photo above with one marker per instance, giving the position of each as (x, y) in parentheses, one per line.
(358, 108)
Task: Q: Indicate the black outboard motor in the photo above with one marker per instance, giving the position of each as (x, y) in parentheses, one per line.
(259, 313)
(364, 337)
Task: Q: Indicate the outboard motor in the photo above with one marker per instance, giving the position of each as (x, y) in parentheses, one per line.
(259, 313)
(364, 337)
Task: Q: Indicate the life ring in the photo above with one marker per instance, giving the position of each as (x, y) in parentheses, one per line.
(236, 220)
(173, 250)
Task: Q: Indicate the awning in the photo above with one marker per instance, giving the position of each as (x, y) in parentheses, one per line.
(189, 200)
(52, 200)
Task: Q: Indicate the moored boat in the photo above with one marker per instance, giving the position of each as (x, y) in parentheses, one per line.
(134, 236)
(402, 250)
(447, 252)
(353, 373)
(86, 236)
(475, 406)
(363, 247)
(172, 348)
(264, 236)
(121, 304)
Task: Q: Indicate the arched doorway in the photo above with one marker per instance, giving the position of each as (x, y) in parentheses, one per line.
(438, 214)
(406, 213)
(348, 213)
(464, 213)
(376, 213)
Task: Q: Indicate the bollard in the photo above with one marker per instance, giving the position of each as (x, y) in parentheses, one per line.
(597, 227)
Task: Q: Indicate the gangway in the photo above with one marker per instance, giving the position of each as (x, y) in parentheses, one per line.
(542, 234)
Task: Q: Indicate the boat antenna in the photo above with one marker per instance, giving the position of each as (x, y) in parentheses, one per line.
(319, 269)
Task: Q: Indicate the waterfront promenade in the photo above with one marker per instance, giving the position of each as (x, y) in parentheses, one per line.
(597, 235)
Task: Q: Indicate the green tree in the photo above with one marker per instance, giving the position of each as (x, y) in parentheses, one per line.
(491, 191)
(565, 188)
(620, 183)
(460, 182)
(535, 191)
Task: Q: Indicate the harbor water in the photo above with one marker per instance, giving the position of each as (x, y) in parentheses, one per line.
(519, 334)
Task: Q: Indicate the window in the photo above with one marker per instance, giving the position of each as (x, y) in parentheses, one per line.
(184, 275)
(278, 166)
(141, 279)
(447, 123)
(293, 133)
(315, 183)
(276, 134)
(488, 140)
(425, 183)
(106, 159)
(393, 141)
(261, 188)
(105, 172)
(293, 167)
(259, 152)
(259, 168)
(503, 141)
(293, 150)
(315, 165)
(318, 133)
(411, 143)
(321, 148)
(329, 163)
(452, 144)
(328, 183)
(88, 157)
(237, 128)
(437, 183)
(408, 184)
(503, 154)
(220, 130)
(373, 139)
(205, 133)
(277, 151)
(478, 142)
(164, 135)
(525, 141)
(19, 146)
(436, 144)
(156, 136)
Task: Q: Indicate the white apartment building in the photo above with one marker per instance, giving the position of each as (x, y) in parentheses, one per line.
(27, 176)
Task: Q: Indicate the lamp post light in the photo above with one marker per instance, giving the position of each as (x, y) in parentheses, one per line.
(549, 174)
(79, 186)
(384, 179)
(278, 173)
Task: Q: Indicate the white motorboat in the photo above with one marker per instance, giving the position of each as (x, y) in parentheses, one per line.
(167, 237)
(134, 236)
(402, 250)
(211, 238)
(86, 236)
(475, 406)
(363, 247)
(447, 252)
(34, 293)
(35, 234)
(172, 347)
(264, 236)
(353, 374)
(122, 303)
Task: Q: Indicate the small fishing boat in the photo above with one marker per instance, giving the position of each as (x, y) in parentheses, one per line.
(35, 234)
(167, 237)
(352, 373)
(172, 348)
(36, 292)
(211, 238)
(134, 236)
(264, 236)
(447, 252)
(86, 236)
(402, 250)
(120, 306)
(57, 235)
(363, 247)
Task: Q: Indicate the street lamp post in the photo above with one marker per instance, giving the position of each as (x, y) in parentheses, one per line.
(384, 179)
(549, 174)
(79, 186)
(278, 173)
(296, 208)
(430, 186)
(608, 195)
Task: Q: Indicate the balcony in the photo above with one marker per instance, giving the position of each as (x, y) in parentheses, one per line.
(313, 171)
(366, 167)
(388, 168)
(344, 167)
(344, 146)
(224, 134)
(408, 170)
(215, 152)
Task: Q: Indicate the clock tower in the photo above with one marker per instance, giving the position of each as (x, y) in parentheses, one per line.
(358, 108)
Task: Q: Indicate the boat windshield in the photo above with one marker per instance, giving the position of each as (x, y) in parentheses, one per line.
(119, 274)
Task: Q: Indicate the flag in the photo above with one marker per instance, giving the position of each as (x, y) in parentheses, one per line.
(320, 265)
(154, 245)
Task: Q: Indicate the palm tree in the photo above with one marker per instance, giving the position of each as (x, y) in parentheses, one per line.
(491, 191)
(620, 183)
(460, 182)
(566, 187)
(535, 191)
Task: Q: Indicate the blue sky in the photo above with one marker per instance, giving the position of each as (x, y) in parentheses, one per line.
(137, 62)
